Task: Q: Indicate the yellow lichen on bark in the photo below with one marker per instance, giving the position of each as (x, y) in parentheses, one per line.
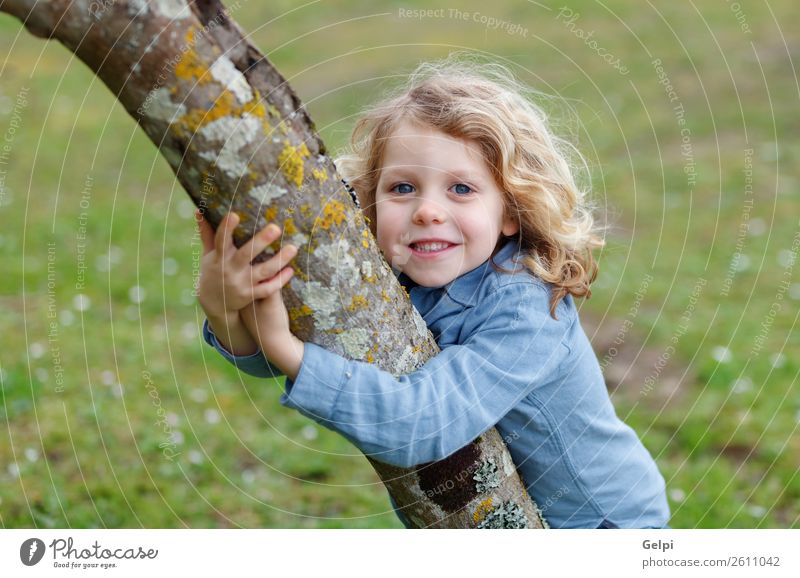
(194, 71)
(296, 313)
(289, 228)
(358, 302)
(291, 162)
(270, 214)
(320, 175)
(483, 508)
(333, 213)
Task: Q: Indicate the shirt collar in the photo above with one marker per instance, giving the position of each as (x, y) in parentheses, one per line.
(464, 289)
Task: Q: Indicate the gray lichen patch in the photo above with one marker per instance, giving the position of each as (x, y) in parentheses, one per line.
(235, 133)
(366, 269)
(137, 8)
(224, 72)
(419, 324)
(298, 239)
(266, 193)
(405, 362)
(158, 105)
(486, 476)
(355, 343)
(172, 9)
(507, 515)
(323, 302)
(337, 256)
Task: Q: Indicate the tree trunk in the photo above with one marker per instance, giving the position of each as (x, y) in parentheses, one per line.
(238, 139)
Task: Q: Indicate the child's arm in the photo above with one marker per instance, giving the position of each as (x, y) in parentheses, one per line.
(228, 282)
(507, 352)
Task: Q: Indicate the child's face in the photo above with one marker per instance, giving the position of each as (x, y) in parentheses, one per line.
(439, 211)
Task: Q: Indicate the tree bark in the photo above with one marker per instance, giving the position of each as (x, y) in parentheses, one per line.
(238, 138)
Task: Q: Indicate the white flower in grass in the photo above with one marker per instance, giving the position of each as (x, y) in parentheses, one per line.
(13, 470)
(36, 350)
(309, 432)
(677, 495)
(721, 354)
(794, 291)
(81, 302)
(778, 360)
(757, 227)
(115, 254)
(172, 418)
(786, 258)
(199, 395)
(212, 416)
(248, 476)
(742, 385)
(31, 454)
(170, 266)
(756, 511)
(102, 263)
(108, 377)
(195, 457)
(66, 317)
(741, 262)
(188, 298)
(41, 374)
(177, 437)
(137, 294)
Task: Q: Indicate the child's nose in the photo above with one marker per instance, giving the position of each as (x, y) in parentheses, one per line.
(428, 211)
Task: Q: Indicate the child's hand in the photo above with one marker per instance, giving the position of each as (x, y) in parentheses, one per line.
(228, 282)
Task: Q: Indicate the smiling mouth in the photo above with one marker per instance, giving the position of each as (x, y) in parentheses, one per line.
(431, 246)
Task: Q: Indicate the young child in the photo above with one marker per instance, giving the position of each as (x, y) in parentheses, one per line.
(472, 201)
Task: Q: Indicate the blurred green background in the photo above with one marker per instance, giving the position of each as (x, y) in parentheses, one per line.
(693, 316)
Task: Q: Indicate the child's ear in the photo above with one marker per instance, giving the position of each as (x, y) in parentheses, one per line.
(510, 226)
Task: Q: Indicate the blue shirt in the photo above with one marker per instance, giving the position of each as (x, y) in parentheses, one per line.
(505, 363)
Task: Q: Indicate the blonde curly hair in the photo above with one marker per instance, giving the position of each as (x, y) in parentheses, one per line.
(483, 103)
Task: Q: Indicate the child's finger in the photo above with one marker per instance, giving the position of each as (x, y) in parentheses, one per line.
(223, 240)
(260, 241)
(206, 232)
(271, 286)
(273, 265)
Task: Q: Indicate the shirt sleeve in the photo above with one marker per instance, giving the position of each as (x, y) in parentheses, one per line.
(255, 364)
(512, 347)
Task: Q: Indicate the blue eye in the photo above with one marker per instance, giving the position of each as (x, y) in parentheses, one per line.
(462, 189)
(403, 188)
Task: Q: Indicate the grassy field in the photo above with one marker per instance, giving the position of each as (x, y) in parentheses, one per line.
(116, 414)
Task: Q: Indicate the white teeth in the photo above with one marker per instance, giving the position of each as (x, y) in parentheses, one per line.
(430, 247)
